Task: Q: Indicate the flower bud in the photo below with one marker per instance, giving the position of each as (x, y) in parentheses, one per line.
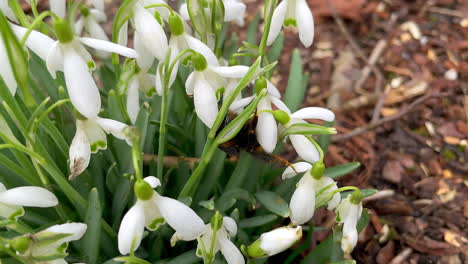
(260, 84)
(281, 116)
(216, 221)
(63, 30)
(143, 190)
(317, 170)
(21, 244)
(275, 241)
(176, 25)
(199, 62)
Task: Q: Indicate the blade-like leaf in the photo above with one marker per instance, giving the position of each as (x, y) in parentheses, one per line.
(273, 202)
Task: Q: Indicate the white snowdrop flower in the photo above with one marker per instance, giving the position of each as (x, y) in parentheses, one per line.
(234, 11)
(70, 56)
(222, 242)
(151, 210)
(13, 200)
(89, 138)
(275, 241)
(89, 23)
(50, 244)
(303, 146)
(266, 129)
(6, 72)
(348, 212)
(180, 41)
(204, 82)
(151, 32)
(59, 7)
(6, 9)
(142, 81)
(293, 13)
(313, 190)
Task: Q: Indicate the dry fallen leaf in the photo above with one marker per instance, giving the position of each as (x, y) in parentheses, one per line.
(454, 238)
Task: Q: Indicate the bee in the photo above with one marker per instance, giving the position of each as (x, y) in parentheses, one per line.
(246, 140)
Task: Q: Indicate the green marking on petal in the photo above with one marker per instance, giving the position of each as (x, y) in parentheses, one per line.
(290, 22)
(156, 223)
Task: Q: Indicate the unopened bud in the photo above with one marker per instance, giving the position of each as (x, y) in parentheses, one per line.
(275, 241)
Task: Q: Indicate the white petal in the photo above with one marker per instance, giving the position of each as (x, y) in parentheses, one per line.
(299, 167)
(144, 59)
(272, 90)
(11, 212)
(190, 83)
(58, 7)
(181, 218)
(153, 217)
(76, 230)
(304, 148)
(96, 136)
(230, 252)
(305, 23)
(201, 48)
(234, 11)
(314, 113)
(36, 41)
(277, 21)
(109, 47)
(183, 11)
(153, 181)
(237, 71)
(131, 229)
(238, 105)
(350, 234)
(325, 182)
(123, 34)
(54, 61)
(206, 104)
(29, 196)
(99, 4)
(267, 130)
(133, 100)
(6, 9)
(81, 87)
(96, 31)
(230, 225)
(279, 239)
(151, 32)
(302, 203)
(6, 72)
(99, 15)
(280, 105)
(158, 82)
(80, 152)
(79, 26)
(113, 127)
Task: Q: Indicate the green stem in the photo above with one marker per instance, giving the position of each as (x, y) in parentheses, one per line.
(269, 8)
(162, 127)
(34, 8)
(18, 10)
(136, 157)
(5, 248)
(160, 5)
(346, 188)
(35, 23)
(317, 146)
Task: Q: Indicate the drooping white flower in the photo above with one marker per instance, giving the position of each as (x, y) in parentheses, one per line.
(70, 56)
(6, 9)
(89, 138)
(141, 81)
(13, 200)
(6, 71)
(222, 241)
(59, 7)
(309, 193)
(151, 210)
(266, 129)
(51, 244)
(303, 146)
(179, 42)
(234, 11)
(89, 23)
(293, 13)
(203, 84)
(275, 241)
(348, 212)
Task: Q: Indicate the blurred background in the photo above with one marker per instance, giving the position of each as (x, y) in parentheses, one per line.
(396, 74)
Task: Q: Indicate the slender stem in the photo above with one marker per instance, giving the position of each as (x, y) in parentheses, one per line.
(19, 13)
(160, 5)
(162, 127)
(346, 188)
(317, 146)
(136, 157)
(211, 253)
(269, 7)
(35, 23)
(5, 248)
(34, 8)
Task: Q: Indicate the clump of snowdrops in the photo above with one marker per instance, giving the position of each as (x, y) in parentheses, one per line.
(114, 154)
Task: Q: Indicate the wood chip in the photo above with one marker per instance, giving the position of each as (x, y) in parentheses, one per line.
(452, 140)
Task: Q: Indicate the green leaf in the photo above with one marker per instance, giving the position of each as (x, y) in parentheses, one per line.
(295, 91)
(276, 48)
(257, 221)
(92, 238)
(324, 140)
(273, 202)
(365, 193)
(188, 257)
(342, 169)
(229, 198)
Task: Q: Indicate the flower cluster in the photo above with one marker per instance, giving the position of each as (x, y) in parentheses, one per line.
(163, 41)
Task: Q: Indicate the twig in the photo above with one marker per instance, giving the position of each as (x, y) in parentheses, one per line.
(170, 161)
(379, 195)
(370, 126)
(379, 105)
(448, 12)
(374, 57)
(400, 258)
